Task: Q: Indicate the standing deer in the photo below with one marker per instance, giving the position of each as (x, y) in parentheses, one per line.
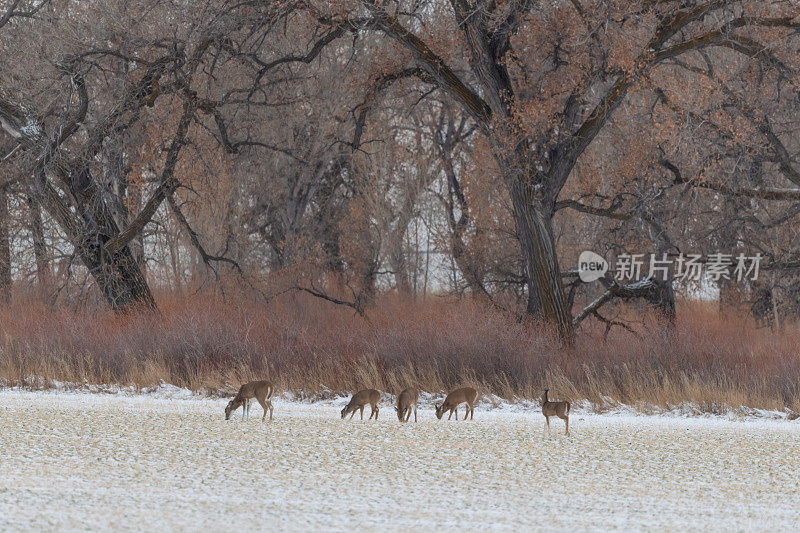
(559, 409)
(405, 401)
(260, 390)
(359, 400)
(456, 398)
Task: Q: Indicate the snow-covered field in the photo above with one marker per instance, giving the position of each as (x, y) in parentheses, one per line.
(131, 462)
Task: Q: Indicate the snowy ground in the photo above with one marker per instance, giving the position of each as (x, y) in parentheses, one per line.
(131, 462)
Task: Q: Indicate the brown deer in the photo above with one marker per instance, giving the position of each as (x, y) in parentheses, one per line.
(559, 409)
(456, 398)
(405, 401)
(359, 400)
(260, 390)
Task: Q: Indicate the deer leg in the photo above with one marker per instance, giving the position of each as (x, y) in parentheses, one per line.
(566, 421)
(377, 410)
(547, 419)
(362, 413)
(471, 412)
(263, 403)
(352, 414)
(415, 413)
(456, 408)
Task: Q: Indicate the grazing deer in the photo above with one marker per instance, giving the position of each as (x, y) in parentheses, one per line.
(405, 401)
(456, 398)
(559, 409)
(260, 390)
(359, 400)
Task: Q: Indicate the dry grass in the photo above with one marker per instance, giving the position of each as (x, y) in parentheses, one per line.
(307, 345)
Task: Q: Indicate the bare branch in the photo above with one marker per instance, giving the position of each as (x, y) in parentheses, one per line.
(764, 193)
(317, 294)
(12, 11)
(168, 184)
(195, 240)
(645, 288)
(436, 68)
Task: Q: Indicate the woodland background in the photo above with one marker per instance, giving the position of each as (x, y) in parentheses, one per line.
(363, 192)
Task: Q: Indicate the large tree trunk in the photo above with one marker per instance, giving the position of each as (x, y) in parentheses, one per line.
(533, 220)
(665, 293)
(117, 273)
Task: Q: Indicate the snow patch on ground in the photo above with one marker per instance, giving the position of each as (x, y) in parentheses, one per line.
(608, 406)
(167, 460)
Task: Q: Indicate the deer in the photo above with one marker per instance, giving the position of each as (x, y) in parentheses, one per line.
(559, 409)
(260, 390)
(456, 398)
(405, 401)
(361, 399)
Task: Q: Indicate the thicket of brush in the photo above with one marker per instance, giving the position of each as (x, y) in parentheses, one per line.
(303, 344)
